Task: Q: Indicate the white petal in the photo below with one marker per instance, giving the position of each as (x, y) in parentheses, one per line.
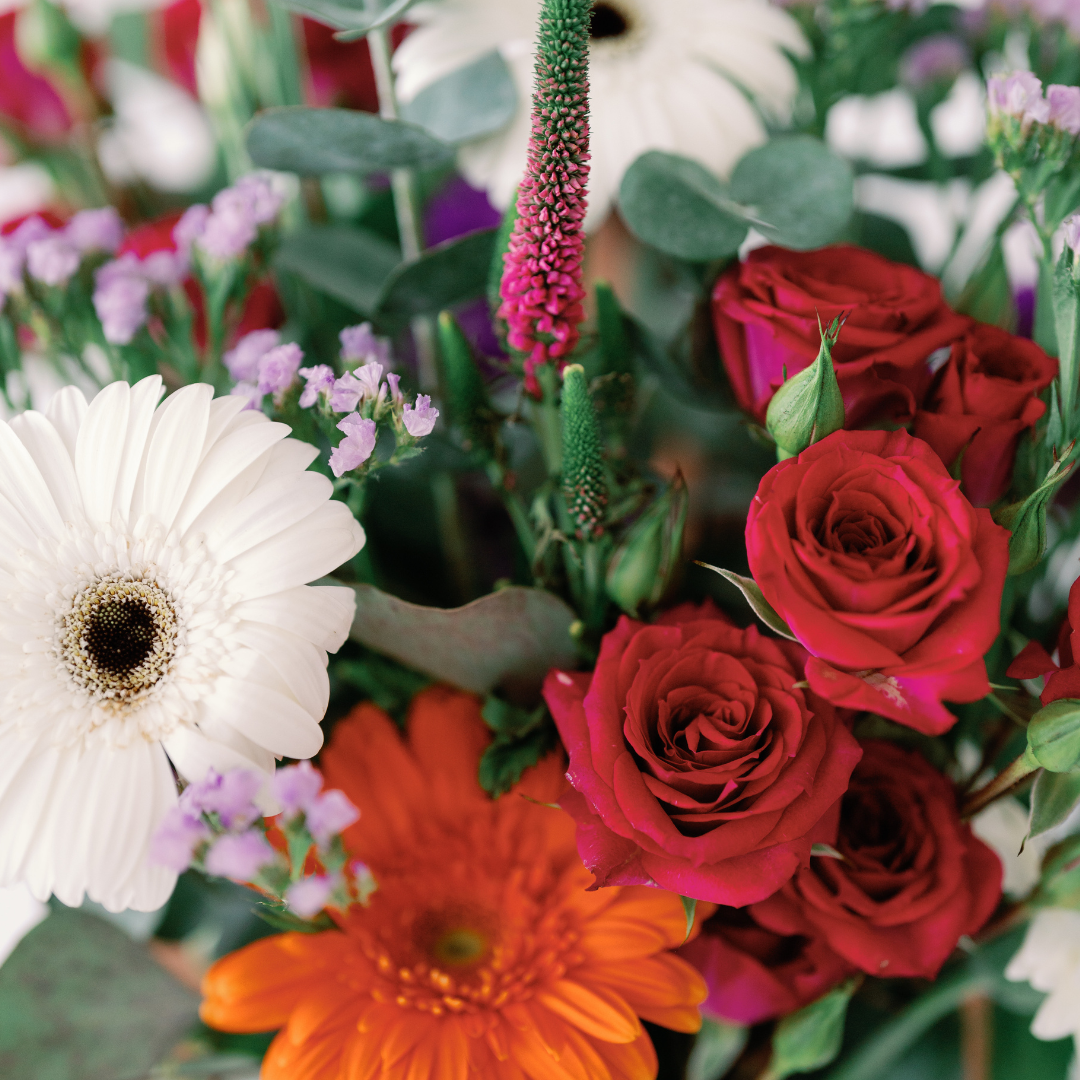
(268, 718)
(297, 662)
(23, 485)
(99, 449)
(65, 412)
(46, 447)
(193, 754)
(145, 395)
(322, 614)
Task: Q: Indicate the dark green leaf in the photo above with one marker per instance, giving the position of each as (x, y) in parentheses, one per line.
(883, 235)
(312, 142)
(1052, 800)
(498, 253)
(799, 193)
(988, 294)
(810, 1038)
(761, 607)
(505, 760)
(347, 264)
(510, 720)
(443, 276)
(680, 208)
(515, 634)
(470, 102)
(79, 999)
(718, 1045)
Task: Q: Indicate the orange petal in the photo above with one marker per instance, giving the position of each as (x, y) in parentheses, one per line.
(631, 1061)
(535, 1058)
(447, 735)
(321, 1007)
(664, 981)
(597, 1011)
(656, 908)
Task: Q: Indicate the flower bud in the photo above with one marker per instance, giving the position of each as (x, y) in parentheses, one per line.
(1054, 735)
(642, 565)
(1026, 520)
(584, 482)
(808, 406)
(466, 397)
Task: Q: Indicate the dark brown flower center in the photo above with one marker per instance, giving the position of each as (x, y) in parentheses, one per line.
(607, 21)
(120, 635)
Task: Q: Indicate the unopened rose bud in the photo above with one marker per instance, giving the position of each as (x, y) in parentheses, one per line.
(1054, 735)
(808, 406)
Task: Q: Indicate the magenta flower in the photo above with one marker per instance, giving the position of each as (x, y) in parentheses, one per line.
(330, 814)
(356, 447)
(95, 230)
(179, 834)
(1064, 103)
(239, 856)
(308, 896)
(295, 787)
(541, 285)
(278, 368)
(420, 420)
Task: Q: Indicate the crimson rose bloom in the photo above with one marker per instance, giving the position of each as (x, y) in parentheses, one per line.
(762, 965)
(698, 763)
(883, 570)
(984, 399)
(913, 878)
(767, 311)
(1063, 677)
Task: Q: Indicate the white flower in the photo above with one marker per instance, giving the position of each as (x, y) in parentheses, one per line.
(153, 562)
(663, 76)
(1004, 825)
(1049, 959)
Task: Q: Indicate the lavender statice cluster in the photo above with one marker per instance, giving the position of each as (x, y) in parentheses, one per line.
(261, 364)
(218, 827)
(226, 228)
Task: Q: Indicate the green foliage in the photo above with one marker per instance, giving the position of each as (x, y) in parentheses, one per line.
(347, 264)
(1053, 735)
(1066, 307)
(354, 19)
(78, 998)
(717, 1046)
(583, 479)
(513, 636)
(466, 397)
(1026, 520)
(471, 102)
(1053, 798)
(313, 142)
(522, 738)
(810, 1038)
(754, 597)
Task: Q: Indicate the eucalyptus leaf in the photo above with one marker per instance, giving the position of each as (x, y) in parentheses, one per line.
(798, 192)
(443, 276)
(348, 264)
(718, 1045)
(1066, 293)
(754, 597)
(810, 1038)
(677, 206)
(78, 998)
(1053, 798)
(469, 103)
(515, 635)
(313, 142)
(355, 19)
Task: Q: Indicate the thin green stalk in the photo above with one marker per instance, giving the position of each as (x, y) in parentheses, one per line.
(548, 423)
(519, 516)
(1023, 767)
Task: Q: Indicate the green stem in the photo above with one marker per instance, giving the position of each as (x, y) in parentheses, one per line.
(519, 517)
(452, 540)
(1002, 784)
(548, 421)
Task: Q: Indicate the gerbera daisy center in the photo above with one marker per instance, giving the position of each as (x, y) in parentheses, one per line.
(607, 21)
(119, 637)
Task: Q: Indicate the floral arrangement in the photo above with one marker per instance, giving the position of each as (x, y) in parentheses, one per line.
(521, 569)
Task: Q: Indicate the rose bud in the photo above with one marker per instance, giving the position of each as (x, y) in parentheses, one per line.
(1053, 735)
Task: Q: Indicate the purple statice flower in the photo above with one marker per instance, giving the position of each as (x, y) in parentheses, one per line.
(239, 856)
(356, 447)
(358, 343)
(320, 380)
(33, 228)
(230, 228)
(308, 896)
(52, 260)
(242, 360)
(278, 368)
(176, 838)
(264, 199)
(95, 230)
(347, 393)
(190, 226)
(395, 390)
(937, 58)
(1064, 102)
(329, 814)
(369, 376)
(165, 268)
(295, 787)
(120, 295)
(1071, 227)
(230, 795)
(420, 420)
(1018, 94)
(249, 390)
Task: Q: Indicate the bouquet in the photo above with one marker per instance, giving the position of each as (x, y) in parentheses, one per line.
(514, 566)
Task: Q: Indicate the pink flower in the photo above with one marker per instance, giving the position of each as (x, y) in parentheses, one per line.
(165, 268)
(395, 390)
(1019, 95)
(320, 380)
(329, 814)
(239, 857)
(263, 199)
(250, 391)
(52, 260)
(420, 420)
(308, 896)
(173, 844)
(296, 786)
(1064, 104)
(356, 447)
(278, 368)
(95, 230)
(356, 386)
(242, 361)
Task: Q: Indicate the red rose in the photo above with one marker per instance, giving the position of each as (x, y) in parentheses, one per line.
(698, 763)
(767, 311)
(758, 967)
(1063, 677)
(913, 878)
(984, 399)
(28, 100)
(883, 570)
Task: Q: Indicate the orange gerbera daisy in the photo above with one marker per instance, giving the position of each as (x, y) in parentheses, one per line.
(481, 954)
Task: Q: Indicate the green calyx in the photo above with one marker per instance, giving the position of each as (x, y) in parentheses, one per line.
(583, 478)
(808, 406)
(1026, 520)
(1054, 736)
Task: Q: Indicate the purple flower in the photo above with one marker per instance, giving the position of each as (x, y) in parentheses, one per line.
(230, 228)
(239, 856)
(120, 297)
(347, 393)
(1018, 94)
(1064, 102)
(308, 896)
(937, 58)
(263, 199)
(190, 226)
(320, 380)
(356, 447)
(229, 795)
(420, 421)
(278, 368)
(33, 228)
(330, 814)
(242, 360)
(250, 391)
(165, 268)
(95, 230)
(359, 343)
(1071, 226)
(173, 844)
(395, 390)
(52, 260)
(296, 786)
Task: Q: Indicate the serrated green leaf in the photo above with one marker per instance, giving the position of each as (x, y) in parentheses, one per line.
(313, 142)
(471, 102)
(504, 761)
(810, 1038)
(677, 206)
(799, 191)
(1053, 798)
(754, 597)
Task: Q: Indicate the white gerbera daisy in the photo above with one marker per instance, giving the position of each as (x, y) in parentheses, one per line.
(669, 75)
(153, 562)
